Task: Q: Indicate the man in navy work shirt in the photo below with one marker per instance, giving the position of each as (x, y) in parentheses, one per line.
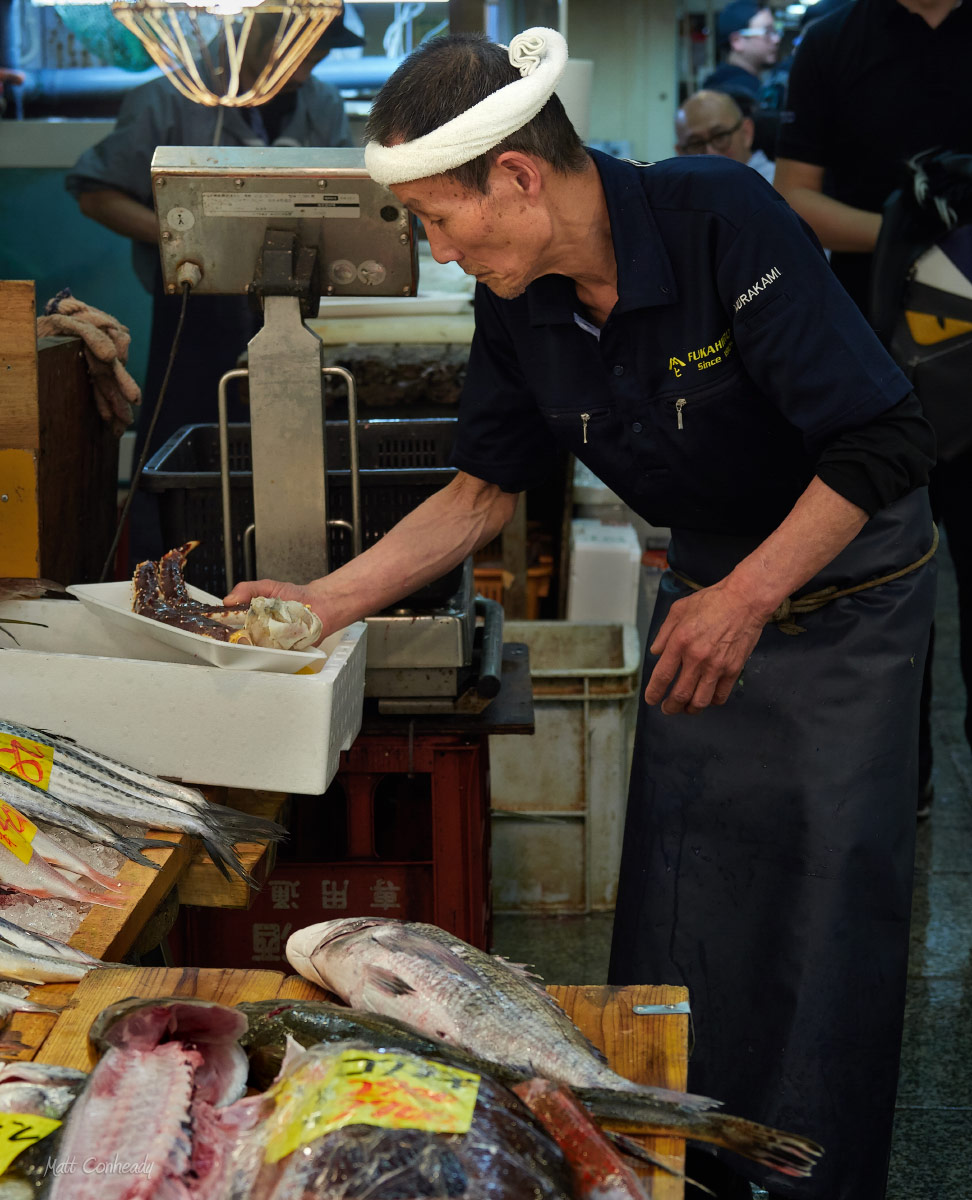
(678, 329)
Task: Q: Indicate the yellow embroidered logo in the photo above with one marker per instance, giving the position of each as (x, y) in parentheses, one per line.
(703, 357)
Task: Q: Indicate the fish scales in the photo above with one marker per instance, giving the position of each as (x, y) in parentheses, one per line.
(449, 989)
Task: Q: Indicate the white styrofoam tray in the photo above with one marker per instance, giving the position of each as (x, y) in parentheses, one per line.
(112, 603)
(150, 705)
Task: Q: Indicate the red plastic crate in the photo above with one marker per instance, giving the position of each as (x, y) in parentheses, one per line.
(402, 832)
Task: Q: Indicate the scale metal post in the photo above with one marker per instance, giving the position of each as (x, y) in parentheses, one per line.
(287, 226)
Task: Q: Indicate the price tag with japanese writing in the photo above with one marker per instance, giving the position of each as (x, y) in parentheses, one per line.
(16, 832)
(20, 1130)
(28, 760)
(389, 1089)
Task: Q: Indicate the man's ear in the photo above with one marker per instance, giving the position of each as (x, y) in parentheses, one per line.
(521, 170)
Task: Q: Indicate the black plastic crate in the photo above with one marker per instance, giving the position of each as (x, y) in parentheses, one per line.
(402, 462)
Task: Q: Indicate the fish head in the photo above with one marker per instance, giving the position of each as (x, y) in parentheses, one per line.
(212, 1029)
(310, 950)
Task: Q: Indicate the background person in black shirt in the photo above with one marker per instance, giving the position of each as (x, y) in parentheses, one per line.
(873, 84)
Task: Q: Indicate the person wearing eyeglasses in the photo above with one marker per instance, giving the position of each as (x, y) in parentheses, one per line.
(748, 39)
(713, 123)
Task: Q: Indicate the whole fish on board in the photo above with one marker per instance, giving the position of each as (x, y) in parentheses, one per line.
(39, 943)
(25, 967)
(38, 878)
(38, 1099)
(493, 1009)
(168, 1063)
(271, 1024)
(288, 1145)
(88, 781)
(40, 805)
(59, 855)
(599, 1172)
(10, 1004)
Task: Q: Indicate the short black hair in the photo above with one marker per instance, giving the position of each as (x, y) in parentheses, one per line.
(446, 76)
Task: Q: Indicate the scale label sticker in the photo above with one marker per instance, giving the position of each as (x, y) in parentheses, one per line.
(28, 760)
(20, 1130)
(16, 832)
(281, 204)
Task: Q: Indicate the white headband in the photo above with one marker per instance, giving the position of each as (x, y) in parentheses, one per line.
(540, 55)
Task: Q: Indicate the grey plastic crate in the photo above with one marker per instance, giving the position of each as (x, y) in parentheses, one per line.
(402, 462)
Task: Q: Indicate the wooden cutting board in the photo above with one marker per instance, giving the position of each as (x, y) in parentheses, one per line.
(646, 1048)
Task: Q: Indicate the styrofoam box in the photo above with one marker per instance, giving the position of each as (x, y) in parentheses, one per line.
(605, 571)
(149, 706)
(595, 500)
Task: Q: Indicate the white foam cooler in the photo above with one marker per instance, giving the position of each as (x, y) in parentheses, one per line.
(145, 704)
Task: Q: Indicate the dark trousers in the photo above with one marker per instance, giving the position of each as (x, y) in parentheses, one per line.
(950, 491)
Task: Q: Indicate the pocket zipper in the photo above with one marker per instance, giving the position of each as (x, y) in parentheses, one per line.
(679, 405)
(585, 417)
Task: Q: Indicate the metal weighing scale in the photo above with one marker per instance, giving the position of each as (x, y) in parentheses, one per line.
(291, 226)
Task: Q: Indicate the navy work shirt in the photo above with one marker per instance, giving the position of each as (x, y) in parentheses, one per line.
(731, 358)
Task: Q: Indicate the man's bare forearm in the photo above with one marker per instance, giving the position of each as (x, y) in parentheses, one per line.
(817, 528)
(706, 638)
(121, 214)
(839, 226)
(422, 547)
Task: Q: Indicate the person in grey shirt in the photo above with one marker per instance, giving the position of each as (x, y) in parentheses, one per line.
(112, 184)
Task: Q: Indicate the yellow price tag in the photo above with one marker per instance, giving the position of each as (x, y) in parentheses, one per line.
(16, 832)
(28, 760)
(20, 1130)
(364, 1087)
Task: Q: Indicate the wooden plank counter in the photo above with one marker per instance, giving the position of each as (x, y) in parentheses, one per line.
(649, 1049)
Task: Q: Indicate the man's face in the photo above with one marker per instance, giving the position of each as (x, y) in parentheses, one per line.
(759, 42)
(709, 123)
(497, 237)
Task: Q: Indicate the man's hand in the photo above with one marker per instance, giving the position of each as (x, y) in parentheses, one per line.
(244, 592)
(703, 645)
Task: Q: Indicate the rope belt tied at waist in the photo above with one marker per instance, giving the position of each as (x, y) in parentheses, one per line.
(812, 601)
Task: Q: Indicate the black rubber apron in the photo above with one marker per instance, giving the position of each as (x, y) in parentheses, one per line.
(769, 853)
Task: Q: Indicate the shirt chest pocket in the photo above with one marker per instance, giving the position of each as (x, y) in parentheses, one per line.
(716, 429)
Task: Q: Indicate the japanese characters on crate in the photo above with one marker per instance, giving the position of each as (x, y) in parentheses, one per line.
(297, 894)
(69, 819)
(452, 1074)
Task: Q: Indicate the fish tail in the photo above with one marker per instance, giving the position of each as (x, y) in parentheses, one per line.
(108, 899)
(132, 851)
(107, 881)
(625, 1112)
(788, 1153)
(225, 860)
(243, 827)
